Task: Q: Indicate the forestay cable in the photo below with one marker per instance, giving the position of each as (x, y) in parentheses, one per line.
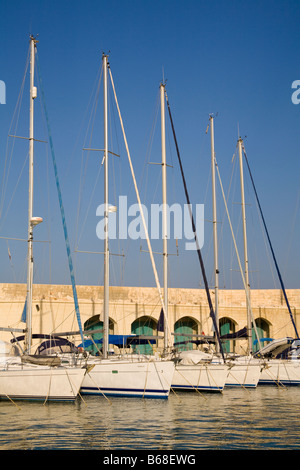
(271, 247)
(140, 206)
(238, 257)
(212, 313)
(62, 214)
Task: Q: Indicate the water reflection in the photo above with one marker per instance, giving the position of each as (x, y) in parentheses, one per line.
(265, 418)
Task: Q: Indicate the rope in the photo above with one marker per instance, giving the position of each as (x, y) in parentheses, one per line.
(99, 388)
(71, 384)
(177, 396)
(240, 383)
(47, 396)
(12, 401)
(189, 383)
(209, 373)
(273, 377)
(146, 378)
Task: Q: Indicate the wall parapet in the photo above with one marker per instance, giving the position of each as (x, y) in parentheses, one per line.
(54, 310)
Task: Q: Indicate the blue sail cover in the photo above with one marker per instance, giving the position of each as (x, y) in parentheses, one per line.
(52, 344)
(58, 345)
(122, 341)
(243, 333)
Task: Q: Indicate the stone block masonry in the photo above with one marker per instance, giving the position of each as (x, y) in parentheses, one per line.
(54, 310)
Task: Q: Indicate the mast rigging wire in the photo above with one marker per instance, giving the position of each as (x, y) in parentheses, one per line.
(212, 313)
(237, 254)
(271, 247)
(140, 206)
(62, 213)
(7, 164)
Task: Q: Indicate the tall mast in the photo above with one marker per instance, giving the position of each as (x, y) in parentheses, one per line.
(106, 246)
(215, 232)
(164, 200)
(249, 324)
(28, 336)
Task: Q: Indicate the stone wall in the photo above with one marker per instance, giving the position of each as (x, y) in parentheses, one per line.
(54, 311)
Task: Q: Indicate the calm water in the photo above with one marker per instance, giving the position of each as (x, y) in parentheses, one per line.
(262, 419)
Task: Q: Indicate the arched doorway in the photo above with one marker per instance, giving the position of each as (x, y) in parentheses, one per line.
(94, 323)
(263, 331)
(185, 326)
(227, 326)
(144, 326)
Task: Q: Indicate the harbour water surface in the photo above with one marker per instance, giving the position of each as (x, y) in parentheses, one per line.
(267, 418)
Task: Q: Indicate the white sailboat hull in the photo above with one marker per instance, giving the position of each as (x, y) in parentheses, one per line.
(33, 382)
(281, 372)
(129, 378)
(245, 375)
(208, 377)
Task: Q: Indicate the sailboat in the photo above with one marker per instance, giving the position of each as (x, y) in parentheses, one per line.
(274, 370)
(244, 373)
(28, 376)
(119, 375)
(194, 370)
(279, 371)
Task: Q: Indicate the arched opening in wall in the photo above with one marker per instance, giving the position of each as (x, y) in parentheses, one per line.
(144, 326)
(227, 326)
(95, 343)
(263, 331)
(184, 329)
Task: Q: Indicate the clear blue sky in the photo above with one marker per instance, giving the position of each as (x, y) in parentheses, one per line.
(234, 58)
